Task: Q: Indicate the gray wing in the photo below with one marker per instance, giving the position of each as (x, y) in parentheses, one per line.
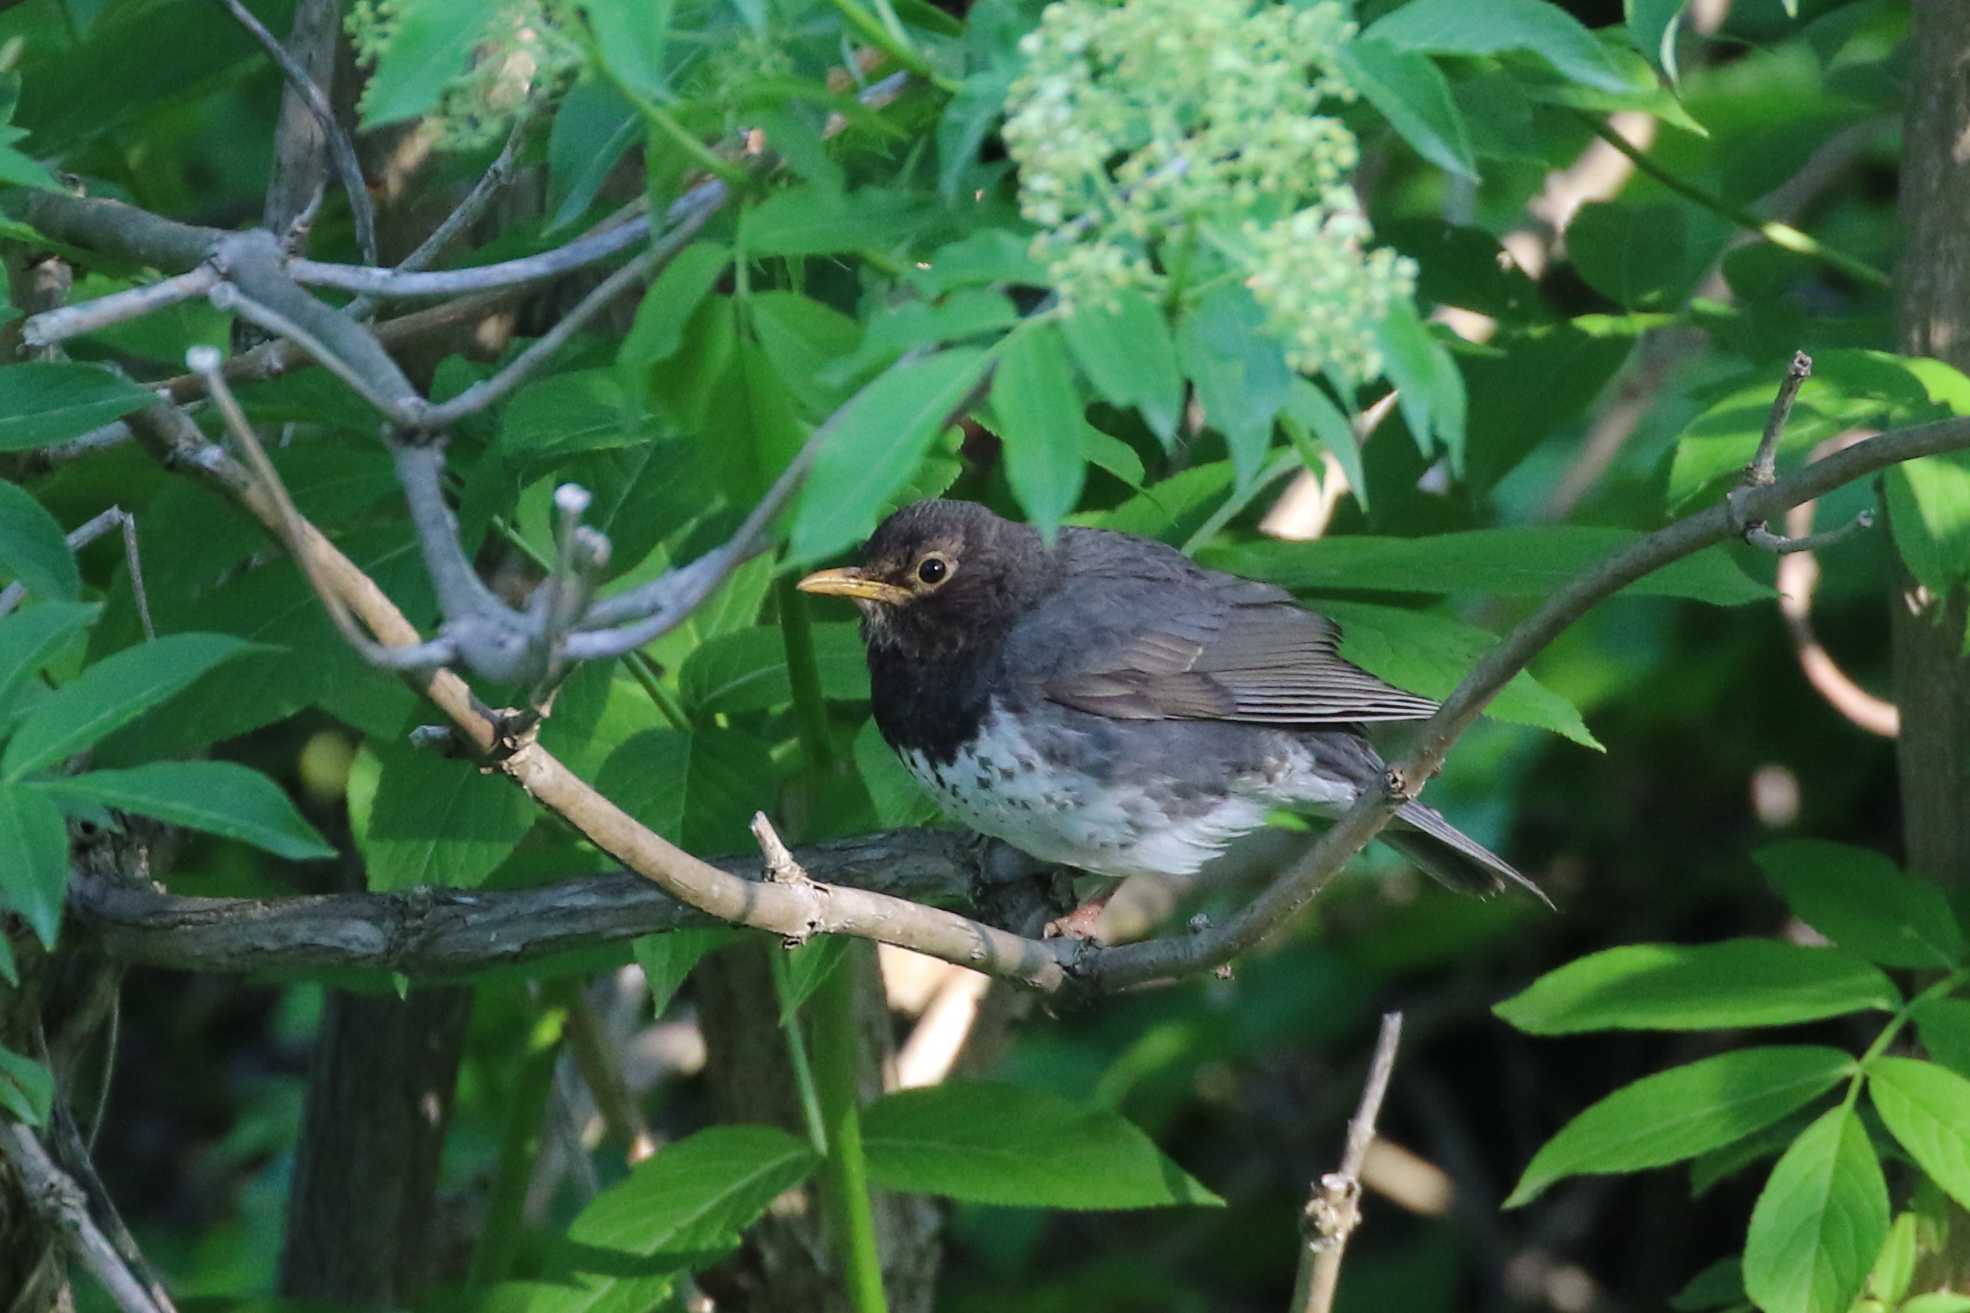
(1218, 648)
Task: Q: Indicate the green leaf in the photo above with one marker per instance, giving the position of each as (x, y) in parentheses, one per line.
(51, 401)
(667, 959)
(1412, 95)
(427, 50)
(27, 1091)
(1240, 372)
(1926, 1107)
(1521, 561)
(658, 330)
(631, 37)
(1944, 1025)
(1720, 1285)
(990, 256)
(877, 439)
(746, 669)
(1126, 351)
(593, 127)
(1682, 1112)
(1039, 417)
(1429, 654)
(968, 119)
(9, 972)
(804, 339)
(424, 820)
(33, 547)
(1652, 26)
(810, 220)
(1429, 389)
(679, 1211)
(1004, 1144)
(899, 800)
(30, 638)
(568, 414)
(1105, 451)
(966, 313)
(1936, 1301)
(1888, 1280)
(112, 693)
(800, 971)
(1739, 982)
(1456, 27)
(1637, 254)
(1862, 902)
(1929, 515)
(696, 788)
(1820, 1221)
(34, 877)
(218, 797)
(1311, 414)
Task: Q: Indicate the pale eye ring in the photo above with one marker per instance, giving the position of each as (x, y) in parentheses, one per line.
(933, 570)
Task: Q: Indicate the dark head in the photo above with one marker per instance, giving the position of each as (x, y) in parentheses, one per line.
(938, 575)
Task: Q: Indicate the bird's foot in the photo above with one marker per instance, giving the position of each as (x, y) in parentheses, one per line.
(1080, 923)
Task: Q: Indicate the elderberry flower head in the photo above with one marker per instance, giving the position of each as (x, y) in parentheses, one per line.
(1165, 142)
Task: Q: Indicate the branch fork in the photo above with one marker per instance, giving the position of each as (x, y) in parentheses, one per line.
(1762, 472)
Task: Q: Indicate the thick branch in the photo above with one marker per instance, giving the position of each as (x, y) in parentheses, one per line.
(450, 932)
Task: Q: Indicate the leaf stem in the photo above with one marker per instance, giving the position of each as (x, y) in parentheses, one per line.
(810, 708)
(1778, 234)
(803, 1069)
(1947, 985)
(845, 1173)
(519, 1146)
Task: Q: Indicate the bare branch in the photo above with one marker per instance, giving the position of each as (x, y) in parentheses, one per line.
(1783, 545)
(391, 285)
(51, 326)
(1334, 1210)
(64, 1209)
(340, 149)
(441, 933)
(81, 536)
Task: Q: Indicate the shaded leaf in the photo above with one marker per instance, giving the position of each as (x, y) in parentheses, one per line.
(50, 401)
(1004, 1144)
(1039, 417)
(218, 797)
(422, 819)
(33, 548)
(1944, 1025)
(696, 788)
(111, 693)
(34, 876)
(667, 959)
(1412, 95)
(1126, 351)
(1683, 1112)
(27, 1090)
(1739, 982)
(1456, 27)
(428, 48)
(1864, 903)
(30, 638)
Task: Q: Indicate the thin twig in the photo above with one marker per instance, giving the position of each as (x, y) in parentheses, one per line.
(1764, 464)
(1334, 1210)
(1784, 545)
(51, 326)
(62, 1207)
(340, 149)
(81, 536)
(135, 563)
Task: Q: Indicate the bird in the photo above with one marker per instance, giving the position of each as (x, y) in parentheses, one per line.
(1101, 701)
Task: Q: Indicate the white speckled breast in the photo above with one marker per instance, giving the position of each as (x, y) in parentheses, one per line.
(1003, 784)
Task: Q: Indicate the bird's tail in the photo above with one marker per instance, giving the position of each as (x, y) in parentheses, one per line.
(1452, 857)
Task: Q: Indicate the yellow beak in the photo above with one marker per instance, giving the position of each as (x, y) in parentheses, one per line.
(851, 582)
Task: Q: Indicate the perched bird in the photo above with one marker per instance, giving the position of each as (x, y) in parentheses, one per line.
(1108, 704)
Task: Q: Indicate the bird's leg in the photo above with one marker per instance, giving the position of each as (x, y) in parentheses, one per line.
(1080, 923)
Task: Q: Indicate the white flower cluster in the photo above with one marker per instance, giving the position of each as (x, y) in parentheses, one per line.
(522, 46)
(1163, 141)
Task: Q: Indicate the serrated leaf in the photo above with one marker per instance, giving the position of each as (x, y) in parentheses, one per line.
(1004, 1144)
(1926, 1107)
(1738, 982)
(1520, 561)
(1864, 903)
(51, 401)
(667, 959)
(1456, 27)
(1682, 1112)
(1411, 94)
(431, 821)
(697, 788)
(1820, 1221)
(34, 877)
(27, 1090)
(678, 1211)
(1126, 350)
(30, 638)
(33, 548)
(875, 443)
(1429, 654)
(1039, 417)
(111, 693)
(746, 669)
(218, 797)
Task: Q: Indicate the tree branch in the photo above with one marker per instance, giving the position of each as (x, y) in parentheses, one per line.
(64, 1209)
(1334, 1210)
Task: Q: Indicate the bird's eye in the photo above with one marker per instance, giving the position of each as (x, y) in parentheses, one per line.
(932, 570)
